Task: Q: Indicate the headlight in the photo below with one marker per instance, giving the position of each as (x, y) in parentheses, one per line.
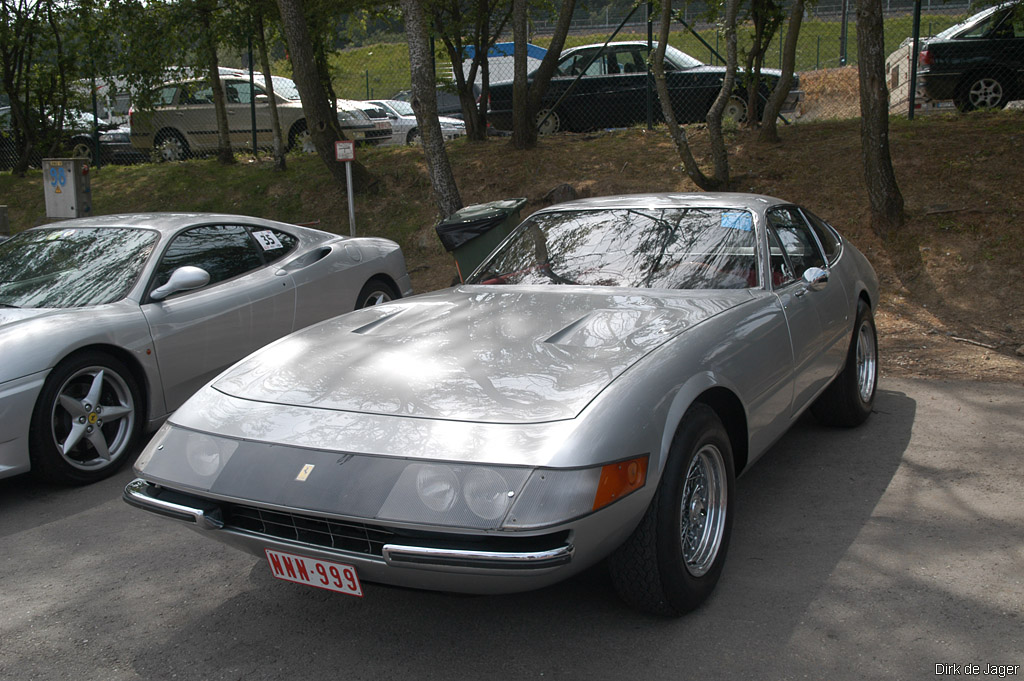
(437, 487)
(486, 493)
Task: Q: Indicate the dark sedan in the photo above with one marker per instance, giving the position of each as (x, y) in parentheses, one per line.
(979, 63)
(612, 90)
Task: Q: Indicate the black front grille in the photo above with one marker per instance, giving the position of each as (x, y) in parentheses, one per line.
(356, 537)
(336, 534)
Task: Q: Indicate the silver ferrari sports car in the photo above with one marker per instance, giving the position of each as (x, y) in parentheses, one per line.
(108, 324)
(589, 393)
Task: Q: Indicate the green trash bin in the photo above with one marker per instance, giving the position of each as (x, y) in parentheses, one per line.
(472, 233)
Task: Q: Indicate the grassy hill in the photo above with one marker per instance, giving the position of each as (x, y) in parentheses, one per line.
(952, 279)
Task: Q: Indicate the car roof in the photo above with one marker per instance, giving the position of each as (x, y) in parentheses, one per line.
(165, 223)
(735, 200)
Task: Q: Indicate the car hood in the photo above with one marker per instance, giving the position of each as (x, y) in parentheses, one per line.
(476, 353)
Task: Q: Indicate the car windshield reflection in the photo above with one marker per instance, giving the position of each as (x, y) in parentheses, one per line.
(63, 267)
(687, 248)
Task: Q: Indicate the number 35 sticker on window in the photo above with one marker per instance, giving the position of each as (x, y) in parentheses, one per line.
(268, 240)
(319, 573)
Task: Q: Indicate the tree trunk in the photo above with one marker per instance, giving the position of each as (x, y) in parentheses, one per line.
(769, 122)
(677, 132)
(321, 119)
(224, 153)
(719, 154)
(541, 78)
(883, 192)
(275, 120)
(424, 104)
(524, 132)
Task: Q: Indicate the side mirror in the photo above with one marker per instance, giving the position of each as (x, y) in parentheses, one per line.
(184, 278)
(815, 278)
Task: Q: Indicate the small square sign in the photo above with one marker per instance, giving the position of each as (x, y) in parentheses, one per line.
(345, 150)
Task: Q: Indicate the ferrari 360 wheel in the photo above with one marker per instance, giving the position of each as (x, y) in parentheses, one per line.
(375, 292)
(674, 558)
(86, 420)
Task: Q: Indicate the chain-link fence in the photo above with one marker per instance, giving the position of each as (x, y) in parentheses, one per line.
(966, 61)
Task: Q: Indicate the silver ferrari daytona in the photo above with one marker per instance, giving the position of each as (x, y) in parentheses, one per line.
(590, 393)
(108, 324)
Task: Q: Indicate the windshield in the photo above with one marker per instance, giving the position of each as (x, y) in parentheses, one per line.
(402, 108)
(675, 248)
(680, 58)
(64, 267)
(981, 18)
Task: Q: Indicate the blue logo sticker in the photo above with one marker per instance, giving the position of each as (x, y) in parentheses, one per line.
(740, 220)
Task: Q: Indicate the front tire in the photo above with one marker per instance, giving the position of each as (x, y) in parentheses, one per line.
(413, 137)
(86, 420)
(849, 399)
(735, 109)
(672, 561)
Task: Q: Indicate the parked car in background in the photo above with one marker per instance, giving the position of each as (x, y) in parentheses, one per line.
(182, 121)
(978, 63)
(404, 125)
(448, 102)
(109, 323)
(591, 392)
(611, 92)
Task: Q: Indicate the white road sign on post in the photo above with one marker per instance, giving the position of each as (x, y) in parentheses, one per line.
(345, 152)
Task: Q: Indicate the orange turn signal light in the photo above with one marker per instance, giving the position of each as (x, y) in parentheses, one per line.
(620, 479)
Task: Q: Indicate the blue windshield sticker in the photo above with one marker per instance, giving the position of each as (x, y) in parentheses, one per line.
(740, 220)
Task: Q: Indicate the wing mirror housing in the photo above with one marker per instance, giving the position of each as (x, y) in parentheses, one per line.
(184, 278)
(815, 278)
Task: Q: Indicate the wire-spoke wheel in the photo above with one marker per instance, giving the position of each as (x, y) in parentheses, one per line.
(673, 559)
(86, 420)
(702, 512)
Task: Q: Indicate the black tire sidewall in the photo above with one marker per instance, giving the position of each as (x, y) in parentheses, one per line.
(46, 461)
(373, 286)
(682, 590)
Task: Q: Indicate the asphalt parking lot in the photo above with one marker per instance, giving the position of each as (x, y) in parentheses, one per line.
(882, 552)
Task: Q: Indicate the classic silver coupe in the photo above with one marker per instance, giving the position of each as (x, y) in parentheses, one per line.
(107, 324)
(590, 392)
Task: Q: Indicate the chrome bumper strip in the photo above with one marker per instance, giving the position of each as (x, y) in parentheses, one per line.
(141, 494)
(431, 558)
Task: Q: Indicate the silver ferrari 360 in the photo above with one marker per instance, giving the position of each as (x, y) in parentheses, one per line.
(108, 324)
(590, 393)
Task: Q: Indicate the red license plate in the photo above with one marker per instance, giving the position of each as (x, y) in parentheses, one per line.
(312, 572)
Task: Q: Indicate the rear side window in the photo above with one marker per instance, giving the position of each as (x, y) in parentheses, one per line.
(796, 239)
(827, 237)
(274, 243)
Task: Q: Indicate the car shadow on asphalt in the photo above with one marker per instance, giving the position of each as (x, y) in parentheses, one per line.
(799, 509)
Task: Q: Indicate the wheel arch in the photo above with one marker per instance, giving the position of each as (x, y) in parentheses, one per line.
(729, 409)
(727, 406)
(129, 360)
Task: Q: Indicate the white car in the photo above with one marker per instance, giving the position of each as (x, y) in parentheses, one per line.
(405, 130)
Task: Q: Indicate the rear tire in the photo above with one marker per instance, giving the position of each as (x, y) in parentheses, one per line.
(986, 91)
(552, 125)
(86, 420)
(672, 561)
(376, 292)
(849, 399)
(171, 146)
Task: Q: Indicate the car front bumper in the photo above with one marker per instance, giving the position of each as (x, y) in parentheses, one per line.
(17, 400)
(420, 558)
